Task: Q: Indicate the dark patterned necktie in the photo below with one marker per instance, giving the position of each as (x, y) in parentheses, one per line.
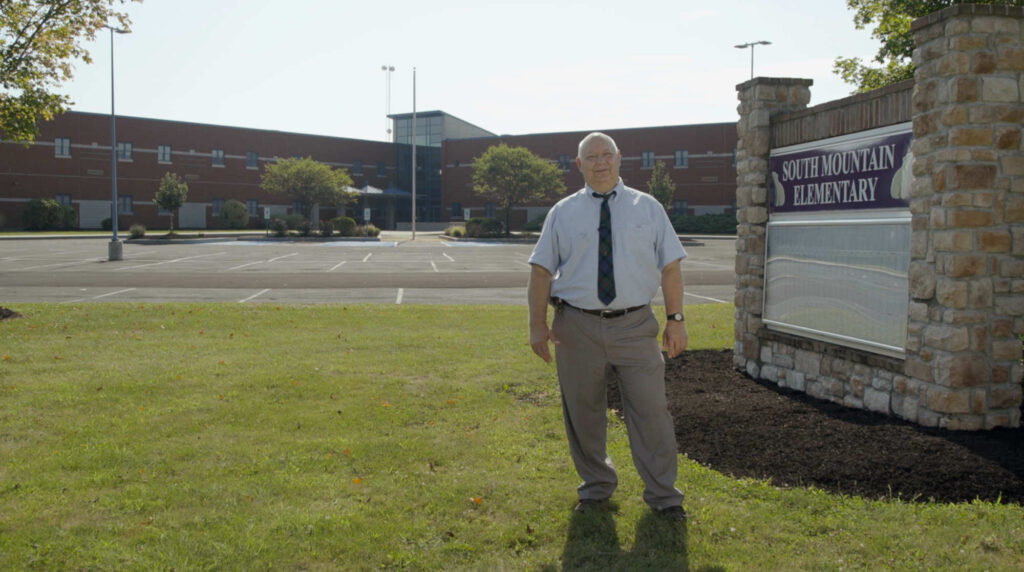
(605, 267)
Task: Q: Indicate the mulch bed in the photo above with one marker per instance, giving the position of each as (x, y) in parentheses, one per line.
(747, 428)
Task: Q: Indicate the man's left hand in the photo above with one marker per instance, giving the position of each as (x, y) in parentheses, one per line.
(674, 339)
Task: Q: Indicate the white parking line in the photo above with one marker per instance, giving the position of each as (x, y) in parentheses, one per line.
(100, 296)
(434, 266)
(261, 261)
(247, 264)
(58, 264)
(260, 293)
(168, 261)
(367, 257)
(285, 256)
(401, 292)
(445, 254)
(706, 298)
(719, 266)
(113, 293)
(336, 266)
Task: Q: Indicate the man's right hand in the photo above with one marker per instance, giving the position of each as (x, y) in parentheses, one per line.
(540, 335)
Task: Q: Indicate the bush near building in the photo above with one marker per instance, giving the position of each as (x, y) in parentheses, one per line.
(705, 224)
(234, 214)
(47, 214)
(278, 226)
(345, 226)
(480, 227)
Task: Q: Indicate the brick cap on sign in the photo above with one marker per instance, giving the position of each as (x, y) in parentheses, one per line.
(786, 81)
(967, 10)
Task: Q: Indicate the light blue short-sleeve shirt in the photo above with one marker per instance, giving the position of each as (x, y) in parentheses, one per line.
(643, 242)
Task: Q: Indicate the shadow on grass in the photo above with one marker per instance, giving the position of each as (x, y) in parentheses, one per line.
(593, 544)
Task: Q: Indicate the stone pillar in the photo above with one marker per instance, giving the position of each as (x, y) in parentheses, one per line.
(963, 360)
(760, 99)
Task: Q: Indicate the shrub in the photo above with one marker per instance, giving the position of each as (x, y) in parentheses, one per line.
(705, 224)
(326, 228)
(484, 227)
(278, 226)
(535, 224)
(47, 214)
(3, 221)
(305, 228)
(106, 225)
(234, 214)
(137, 230)
(368, 230)
(294, 220)
(455, 230)
(345, 226)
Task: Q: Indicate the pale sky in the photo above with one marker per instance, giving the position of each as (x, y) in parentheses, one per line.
(511, 67)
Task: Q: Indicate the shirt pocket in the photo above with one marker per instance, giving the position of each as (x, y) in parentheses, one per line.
(580, 242)
(641, 240)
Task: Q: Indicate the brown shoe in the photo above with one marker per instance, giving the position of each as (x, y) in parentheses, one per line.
(673, 513)
(589, 505)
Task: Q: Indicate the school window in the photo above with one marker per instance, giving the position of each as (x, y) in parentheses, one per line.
(64, 200)
(163, 154)
(563, 162)
(218, 157)
(680, 207)
(357, 167)
(297, 207)
(62, 147)
(251, 160)
(682, 159)
(382, 170)
(456, 210)
(647, 160)
(489, 210)
(253, 206)
(215, 206)
(124, 205)
(124, 151)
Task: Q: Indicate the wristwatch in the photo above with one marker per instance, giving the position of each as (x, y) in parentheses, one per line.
(677, 317)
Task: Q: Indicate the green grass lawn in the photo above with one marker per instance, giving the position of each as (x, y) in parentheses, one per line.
(258, 437)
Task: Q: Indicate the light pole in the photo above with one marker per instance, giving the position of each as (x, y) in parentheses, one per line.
(751, 46)
(116, 249)
(388, 70)
(414, 153)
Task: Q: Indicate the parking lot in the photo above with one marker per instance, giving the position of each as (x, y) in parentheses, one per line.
(396, 270)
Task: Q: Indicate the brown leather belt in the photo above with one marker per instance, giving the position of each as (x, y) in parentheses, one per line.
(558, 302)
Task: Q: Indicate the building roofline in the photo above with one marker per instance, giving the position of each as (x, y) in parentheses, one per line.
(608, 131)
(434, 113)
(221, 126)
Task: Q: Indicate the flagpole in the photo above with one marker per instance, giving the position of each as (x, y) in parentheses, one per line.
(414, 153)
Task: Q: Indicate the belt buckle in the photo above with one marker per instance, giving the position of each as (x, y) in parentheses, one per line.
(605, 314)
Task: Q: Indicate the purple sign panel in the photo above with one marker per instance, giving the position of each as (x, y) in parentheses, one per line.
(846, 173)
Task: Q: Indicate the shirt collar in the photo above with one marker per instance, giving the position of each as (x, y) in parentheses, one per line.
(618, 188)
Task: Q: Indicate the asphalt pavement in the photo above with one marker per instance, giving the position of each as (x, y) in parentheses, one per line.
(430, 269)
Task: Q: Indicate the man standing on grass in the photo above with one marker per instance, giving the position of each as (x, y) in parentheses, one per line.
(599, 260)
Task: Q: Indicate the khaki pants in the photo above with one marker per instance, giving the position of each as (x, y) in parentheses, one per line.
(587, 346)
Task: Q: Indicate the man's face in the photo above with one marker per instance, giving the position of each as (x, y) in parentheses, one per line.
(600, 165)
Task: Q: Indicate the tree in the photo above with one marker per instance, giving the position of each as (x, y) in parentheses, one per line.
(171, 195)
(307, 182)
(512, 176)
(660, 185)
(892, 19)
(39, 40)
